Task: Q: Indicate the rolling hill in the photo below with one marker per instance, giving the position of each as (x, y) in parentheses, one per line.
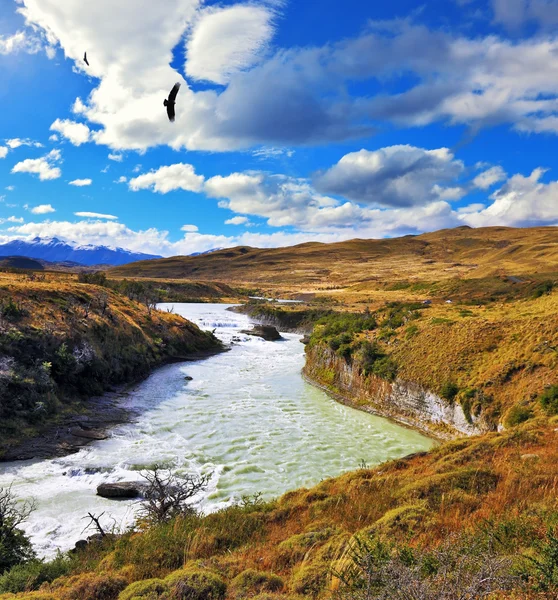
(445, 254)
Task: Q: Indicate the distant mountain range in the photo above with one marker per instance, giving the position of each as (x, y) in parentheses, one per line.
(55, 250)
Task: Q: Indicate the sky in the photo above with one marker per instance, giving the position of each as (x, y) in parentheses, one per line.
(295, 121)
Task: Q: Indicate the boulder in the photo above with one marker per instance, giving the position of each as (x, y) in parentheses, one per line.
(266, 332)
(123, 489)
(188, 378)
(305, 339)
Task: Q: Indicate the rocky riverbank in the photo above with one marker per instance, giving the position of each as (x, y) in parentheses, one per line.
(63, 345)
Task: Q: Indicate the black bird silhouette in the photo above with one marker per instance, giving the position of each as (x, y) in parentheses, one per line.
(85, 59)
(171, 101)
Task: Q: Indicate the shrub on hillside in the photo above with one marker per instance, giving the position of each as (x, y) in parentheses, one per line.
(15, 547)
(149, 589)
(91, 586)
(31, 575)
(549, 400)
(449, 391)
(98, 278)
(254, 582)
(519, 413)
(195, 584)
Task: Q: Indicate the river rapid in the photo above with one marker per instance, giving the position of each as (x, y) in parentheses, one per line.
(247, 417)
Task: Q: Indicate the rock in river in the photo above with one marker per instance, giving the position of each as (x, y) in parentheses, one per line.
(124, 489)
(267, 332)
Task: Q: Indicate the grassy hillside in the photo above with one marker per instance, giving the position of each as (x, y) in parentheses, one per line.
(461, 252)
(470, 511)
(62, 341)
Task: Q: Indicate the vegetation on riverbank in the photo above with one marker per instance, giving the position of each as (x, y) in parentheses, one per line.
(476, 507)
(62, 341)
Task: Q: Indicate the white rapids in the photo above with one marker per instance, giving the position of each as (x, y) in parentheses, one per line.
(247, 417)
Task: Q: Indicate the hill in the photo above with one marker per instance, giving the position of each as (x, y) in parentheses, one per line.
(62, 342)
(462, 252)
(54, 250)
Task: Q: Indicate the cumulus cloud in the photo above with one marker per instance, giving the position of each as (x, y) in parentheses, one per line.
(18, 142)
(43, 167)
(488, 178)
(81, 182)
(237, 221)
(477, 81)
(3, 151)
(42, 209)
(116, 157)
(94, 215)
(224, 41)
(179, 176)
(189, 228)
(521, 202)
(513, 14)
(20, 41)
(392, 176)
(12, 220)
(76, 133)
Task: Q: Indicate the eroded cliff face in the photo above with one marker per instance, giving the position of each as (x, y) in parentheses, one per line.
(402, 401)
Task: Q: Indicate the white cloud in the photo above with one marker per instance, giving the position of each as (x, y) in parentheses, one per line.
(12, 220)
(81, 182)
(189, 228)
(237, 221)
(272, 152)
(76, 133)
(121, 179)
(10, 188)
(94, 215)
(3, 151)
(521, 202)
(488, 178)
(179, 176)
(53, 138)
(43, 167)
(42, 209)
(18, 142)
(20, 41)
(224, 41)
(513, 14)
(116, 157)
(476, 81)
(392, 176)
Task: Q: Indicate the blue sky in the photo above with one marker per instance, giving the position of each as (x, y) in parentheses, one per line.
(296, 121)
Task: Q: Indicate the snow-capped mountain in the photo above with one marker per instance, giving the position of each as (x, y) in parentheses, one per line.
(55, 250)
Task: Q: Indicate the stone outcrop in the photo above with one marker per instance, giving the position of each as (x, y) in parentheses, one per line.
(402, 401)
(121, 490)
(266, 332)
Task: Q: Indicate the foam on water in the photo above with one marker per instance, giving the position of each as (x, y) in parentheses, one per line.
(247, 417)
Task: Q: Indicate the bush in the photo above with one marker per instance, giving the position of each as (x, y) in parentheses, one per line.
(385, 368)
(151, 589)
(549, 400)
(15, 547)
(449, 391)
(195, 584)
(517, 414)
(30, 576)
(89, 586)
(255, 582)
(98, 278)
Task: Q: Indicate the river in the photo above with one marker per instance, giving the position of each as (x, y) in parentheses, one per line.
(247, 417)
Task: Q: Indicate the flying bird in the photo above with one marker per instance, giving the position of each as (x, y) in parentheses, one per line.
(171, 101)
(85, 59)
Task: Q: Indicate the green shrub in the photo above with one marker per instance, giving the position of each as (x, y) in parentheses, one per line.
(195, 584)
(90, 586)
(517, 414)
(449, 391)
(30, 576)
(411, 331)
(98, 278)
(385, 368)
(147, 589)
(549, 400)
(256, 582)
